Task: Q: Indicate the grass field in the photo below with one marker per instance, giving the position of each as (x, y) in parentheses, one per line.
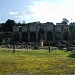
(37, 62)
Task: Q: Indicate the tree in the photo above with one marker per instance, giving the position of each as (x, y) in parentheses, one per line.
(65, 21)
(23, 22)
(9, 25)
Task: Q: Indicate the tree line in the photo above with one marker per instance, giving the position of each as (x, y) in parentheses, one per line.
(8, 25)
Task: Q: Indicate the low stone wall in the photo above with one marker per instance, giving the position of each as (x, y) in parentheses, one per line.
(19, 46)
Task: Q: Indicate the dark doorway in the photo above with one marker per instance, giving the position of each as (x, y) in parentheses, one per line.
(24, 37)
(58, 36)
(49, 36)
(16, 36)
(32, 36)
(65, 36)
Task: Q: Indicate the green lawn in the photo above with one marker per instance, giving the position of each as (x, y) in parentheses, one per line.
(37, 62)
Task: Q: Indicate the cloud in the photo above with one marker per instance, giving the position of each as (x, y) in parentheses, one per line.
(22, 14)
(47, 11)
(14, 13)
(44, 11)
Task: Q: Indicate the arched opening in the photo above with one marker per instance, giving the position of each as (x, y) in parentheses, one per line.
(72, 36)
(32, 36)
(58, 36)
(41, 34)
(24, 37)
(16, 36)
(49, 36)
(65, 36)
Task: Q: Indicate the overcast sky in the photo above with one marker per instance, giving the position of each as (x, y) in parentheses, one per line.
(37, 10)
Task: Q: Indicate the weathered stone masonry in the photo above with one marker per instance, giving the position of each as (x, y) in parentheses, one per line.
(35, 31)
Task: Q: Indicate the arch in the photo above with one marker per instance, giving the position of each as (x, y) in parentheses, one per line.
(49, 36)
(32, 36)
(66, 36)
(16, 36)
(58, 36)
(72, 36)
(24, 36)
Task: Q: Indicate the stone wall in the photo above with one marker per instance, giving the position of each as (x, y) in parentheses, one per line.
(46, 31)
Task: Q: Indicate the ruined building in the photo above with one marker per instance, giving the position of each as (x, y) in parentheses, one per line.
(35, 32)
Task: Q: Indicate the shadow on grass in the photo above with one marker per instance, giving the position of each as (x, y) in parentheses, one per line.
(72, 55)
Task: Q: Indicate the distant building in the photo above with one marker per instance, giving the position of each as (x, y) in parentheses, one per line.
(35, 31)
(72, 30)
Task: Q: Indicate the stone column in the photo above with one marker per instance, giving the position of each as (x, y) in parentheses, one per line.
(20, 38)
(42, 43)
(62, 33)
(53, 36)
(28, 37)
(36, 36)
(53, 33)
(37, 32)
(45, 35)
(28, 30)
(69, 33)
(20, 33)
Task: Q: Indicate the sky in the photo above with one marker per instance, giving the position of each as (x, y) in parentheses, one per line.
(37, 10)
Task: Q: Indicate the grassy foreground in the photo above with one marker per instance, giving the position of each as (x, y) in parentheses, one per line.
(37, 62)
